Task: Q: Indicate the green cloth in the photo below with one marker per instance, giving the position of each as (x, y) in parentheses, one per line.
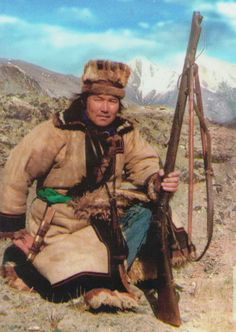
(51, 196)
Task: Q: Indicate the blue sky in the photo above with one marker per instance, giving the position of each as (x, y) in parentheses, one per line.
(62, 35)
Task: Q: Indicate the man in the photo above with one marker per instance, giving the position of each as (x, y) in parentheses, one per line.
(84, 230)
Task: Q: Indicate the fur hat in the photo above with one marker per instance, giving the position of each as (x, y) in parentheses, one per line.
(105, 77)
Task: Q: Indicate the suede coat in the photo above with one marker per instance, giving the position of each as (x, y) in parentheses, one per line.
(55, 157)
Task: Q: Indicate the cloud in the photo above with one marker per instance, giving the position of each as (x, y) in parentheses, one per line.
(60, 48)
(144, 25)
(109, 40)
(66, 49)
(205, 6)
(76, 13)
(180, 2)
(223, 11)
(164, 24)
(228, 10)
(5, 19)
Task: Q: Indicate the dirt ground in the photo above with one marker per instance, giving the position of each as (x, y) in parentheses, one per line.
(206, 297)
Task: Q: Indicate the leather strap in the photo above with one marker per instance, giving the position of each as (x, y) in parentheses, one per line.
(42, 230)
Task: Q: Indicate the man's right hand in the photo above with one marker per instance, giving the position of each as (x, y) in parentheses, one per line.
(21, 238)
(13, 235)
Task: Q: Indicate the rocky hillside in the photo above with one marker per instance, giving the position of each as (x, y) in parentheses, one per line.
(19, 77)
(20, 113)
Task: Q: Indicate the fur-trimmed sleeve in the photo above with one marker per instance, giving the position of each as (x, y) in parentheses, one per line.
(141, 160)
(30, 159)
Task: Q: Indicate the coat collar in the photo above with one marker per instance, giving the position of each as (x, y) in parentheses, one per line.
(120, 125)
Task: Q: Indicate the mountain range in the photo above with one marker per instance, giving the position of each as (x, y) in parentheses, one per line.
(152, 84)
(149, 84)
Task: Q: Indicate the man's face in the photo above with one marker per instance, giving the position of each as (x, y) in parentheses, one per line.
(102, 109)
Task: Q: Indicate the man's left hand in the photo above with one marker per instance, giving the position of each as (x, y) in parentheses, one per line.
(158, 180)
(171, 182)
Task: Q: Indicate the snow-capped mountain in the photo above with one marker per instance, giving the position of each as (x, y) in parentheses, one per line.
(214, 73)
(151, 83)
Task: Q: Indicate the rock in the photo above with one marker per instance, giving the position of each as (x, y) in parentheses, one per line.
(19, 109)
(34, 328)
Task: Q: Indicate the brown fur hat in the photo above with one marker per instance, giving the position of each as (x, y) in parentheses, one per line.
(105, 77)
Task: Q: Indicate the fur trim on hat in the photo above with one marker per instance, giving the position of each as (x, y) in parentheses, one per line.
(103, 88)
(104, 76)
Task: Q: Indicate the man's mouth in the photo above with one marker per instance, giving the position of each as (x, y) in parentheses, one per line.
(103, 117)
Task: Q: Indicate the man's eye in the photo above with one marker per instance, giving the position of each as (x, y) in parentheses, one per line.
(113, 101)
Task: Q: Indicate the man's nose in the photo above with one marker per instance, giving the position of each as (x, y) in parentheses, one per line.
(105, 106)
